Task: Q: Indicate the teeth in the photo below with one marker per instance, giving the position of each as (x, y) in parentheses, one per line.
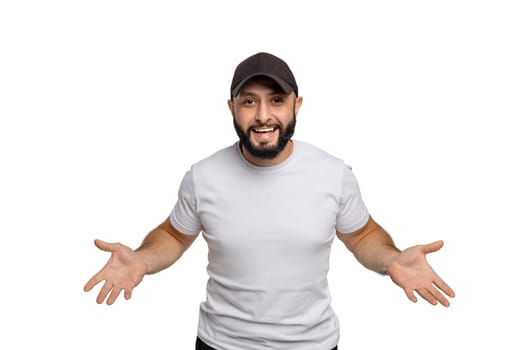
(264, 130)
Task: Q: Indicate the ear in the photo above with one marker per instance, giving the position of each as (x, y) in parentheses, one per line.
(230, 106)
(298, 104)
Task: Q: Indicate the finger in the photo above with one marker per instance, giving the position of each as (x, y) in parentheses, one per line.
(444, 287)
(114, 295)
(433, 247)
(410, 295)
(104, 291)
(127, 293)
(440, 298)
(105, 246)
(92, 282)
(427, 295)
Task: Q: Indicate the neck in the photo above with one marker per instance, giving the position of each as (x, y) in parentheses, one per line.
(281, 157)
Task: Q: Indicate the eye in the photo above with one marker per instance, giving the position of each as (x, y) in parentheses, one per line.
(277, 99)
(248, 101)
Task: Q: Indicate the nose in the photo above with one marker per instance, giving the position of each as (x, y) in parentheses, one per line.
(263, 113)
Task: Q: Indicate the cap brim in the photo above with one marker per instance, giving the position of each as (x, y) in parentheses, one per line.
(287, 88)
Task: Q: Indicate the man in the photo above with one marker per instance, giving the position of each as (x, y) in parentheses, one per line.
(269, 208)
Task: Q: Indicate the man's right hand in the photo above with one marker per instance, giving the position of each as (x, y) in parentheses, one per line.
(124, 270)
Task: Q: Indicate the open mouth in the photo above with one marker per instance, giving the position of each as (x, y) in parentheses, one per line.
(264, 134)
(263, 130)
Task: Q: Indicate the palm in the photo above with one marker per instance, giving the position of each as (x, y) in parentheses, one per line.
(412, 272)
(123, 271)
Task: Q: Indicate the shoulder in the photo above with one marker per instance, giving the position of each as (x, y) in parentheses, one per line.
(312, 154)
(222, 159)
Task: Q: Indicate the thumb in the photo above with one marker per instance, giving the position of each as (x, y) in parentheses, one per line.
(105, 246)
(433, 247)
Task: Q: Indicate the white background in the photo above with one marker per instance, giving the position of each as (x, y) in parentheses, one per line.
(105, 104)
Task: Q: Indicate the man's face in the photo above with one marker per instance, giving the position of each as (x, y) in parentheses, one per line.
(264, 118)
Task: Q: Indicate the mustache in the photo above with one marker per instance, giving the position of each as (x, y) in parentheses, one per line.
(266, 125)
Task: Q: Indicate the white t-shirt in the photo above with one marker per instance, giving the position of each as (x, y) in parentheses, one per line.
(269, 231)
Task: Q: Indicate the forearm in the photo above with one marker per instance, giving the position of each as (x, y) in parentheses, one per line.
(376, 252)
(372, 246)
(163, 246)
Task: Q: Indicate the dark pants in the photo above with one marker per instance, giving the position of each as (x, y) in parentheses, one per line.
(200, 345)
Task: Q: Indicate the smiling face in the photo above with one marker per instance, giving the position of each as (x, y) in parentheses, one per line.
(264, 119)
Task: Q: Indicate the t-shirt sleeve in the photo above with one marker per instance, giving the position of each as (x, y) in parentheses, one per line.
(353, 213)
(184, 215)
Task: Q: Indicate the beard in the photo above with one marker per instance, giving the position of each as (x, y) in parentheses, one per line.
(266, 151)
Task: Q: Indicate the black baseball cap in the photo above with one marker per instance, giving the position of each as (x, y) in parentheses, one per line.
(264, 64)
